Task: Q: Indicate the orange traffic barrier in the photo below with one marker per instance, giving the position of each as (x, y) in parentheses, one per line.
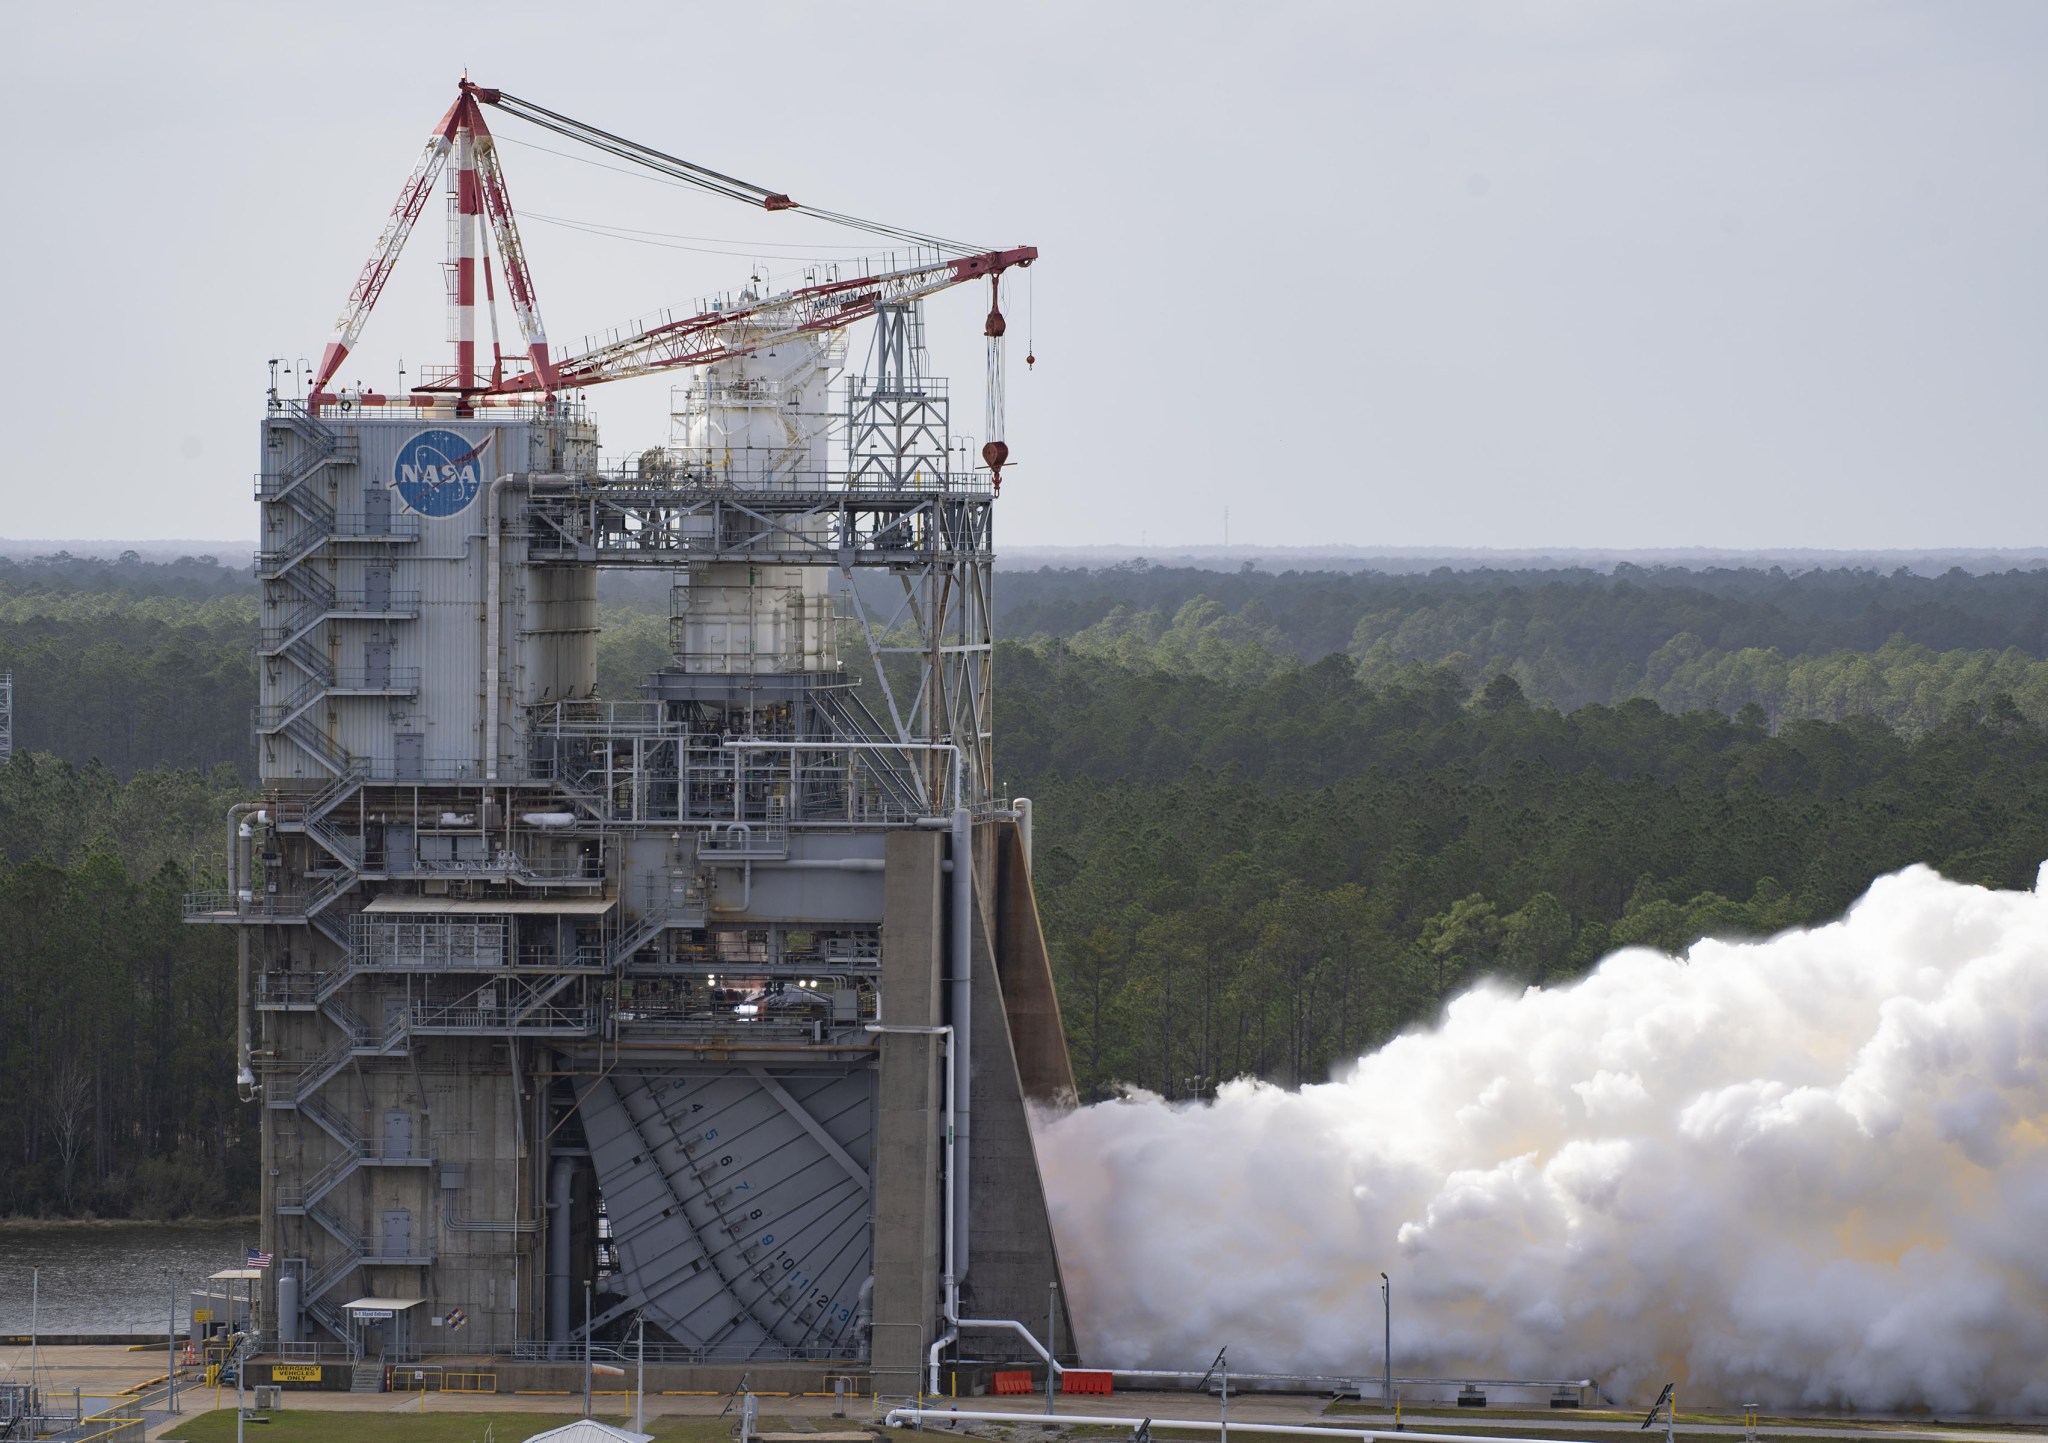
(1013, 1381)
(1086, 1380)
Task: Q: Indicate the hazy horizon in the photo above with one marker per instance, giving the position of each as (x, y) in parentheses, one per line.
(1300, 557)
(1402, 273)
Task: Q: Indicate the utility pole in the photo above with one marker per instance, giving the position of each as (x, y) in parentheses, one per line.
(1223, 1365)
(639, 1370)
(171, 1347)
(586, 1348)
(1387, 1348)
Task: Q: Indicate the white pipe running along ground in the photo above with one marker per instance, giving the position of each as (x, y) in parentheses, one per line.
(913, 1417)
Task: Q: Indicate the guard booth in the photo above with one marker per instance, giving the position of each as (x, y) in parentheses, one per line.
(227, 1304)
(381, 1328)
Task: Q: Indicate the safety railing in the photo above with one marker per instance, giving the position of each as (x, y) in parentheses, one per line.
(299, 1195)
(471, 1018)
(289, 989)
(264, 906)
(536, 1350)
(362, 681)
(427, 944)
(309, 1352)
(382, 602)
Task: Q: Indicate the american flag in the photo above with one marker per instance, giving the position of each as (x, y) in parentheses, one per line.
(258, 1258)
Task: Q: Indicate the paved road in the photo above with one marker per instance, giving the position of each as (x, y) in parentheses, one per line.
(108, 1370)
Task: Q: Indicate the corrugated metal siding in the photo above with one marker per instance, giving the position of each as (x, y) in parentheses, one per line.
(549, 614)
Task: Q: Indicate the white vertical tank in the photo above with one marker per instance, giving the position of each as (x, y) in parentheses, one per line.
(757, 423)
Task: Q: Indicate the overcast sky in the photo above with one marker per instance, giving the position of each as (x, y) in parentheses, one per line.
(1417, 273)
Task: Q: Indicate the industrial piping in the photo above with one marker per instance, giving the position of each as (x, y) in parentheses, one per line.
(241, 877)
(963, 1026)
(914, 1417)
(494, 625)
(560, 1191)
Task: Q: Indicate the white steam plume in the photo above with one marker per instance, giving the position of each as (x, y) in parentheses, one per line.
(1806, 1171)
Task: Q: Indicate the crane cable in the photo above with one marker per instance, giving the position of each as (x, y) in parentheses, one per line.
(702, 177)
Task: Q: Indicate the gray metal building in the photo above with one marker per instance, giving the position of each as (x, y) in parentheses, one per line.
(715, 1008)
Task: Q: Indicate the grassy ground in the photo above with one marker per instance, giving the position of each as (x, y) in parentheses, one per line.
(309, 1426)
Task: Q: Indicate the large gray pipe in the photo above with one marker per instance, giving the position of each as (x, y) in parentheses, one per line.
(561, 1185)
(494, 621)
(963, 1026)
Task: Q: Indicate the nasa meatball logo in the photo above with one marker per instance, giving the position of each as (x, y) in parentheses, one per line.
(438, 472)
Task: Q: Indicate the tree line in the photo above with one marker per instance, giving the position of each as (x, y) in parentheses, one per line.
(1249, 861)
(116, 1019)
(1604, 620)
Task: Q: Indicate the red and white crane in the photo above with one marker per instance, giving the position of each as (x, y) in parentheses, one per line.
(483, 218)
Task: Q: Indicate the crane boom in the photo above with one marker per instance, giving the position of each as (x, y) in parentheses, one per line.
(721, 333)
(412, 198)
(727, 332)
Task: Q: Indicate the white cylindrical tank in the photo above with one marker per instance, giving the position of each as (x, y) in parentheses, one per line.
(288, 1307)
(758, 422)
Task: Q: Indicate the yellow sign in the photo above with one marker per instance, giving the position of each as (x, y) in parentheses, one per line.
(202, 1315)
(294, 1372)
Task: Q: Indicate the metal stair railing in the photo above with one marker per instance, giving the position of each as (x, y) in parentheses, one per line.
(337, 1127)
(277, 715)
(329, 1317)
(298, 1197)
(653, 922)
(324, 447)
(280, 640)
(333, 982)
(272, 565)
(308, 656)
(315, 1074)
(295, 814)
(346, 849)
(344, 1234)
(328, 891)
(313, 587)
(541, 998)
(337, 791)
(310, 739)
(334, 929)
(344, 1017)
(591, 799)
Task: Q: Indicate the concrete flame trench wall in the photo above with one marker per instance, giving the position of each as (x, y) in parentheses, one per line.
(738, 1199)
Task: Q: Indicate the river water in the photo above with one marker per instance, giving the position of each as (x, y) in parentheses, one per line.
(110, 1277)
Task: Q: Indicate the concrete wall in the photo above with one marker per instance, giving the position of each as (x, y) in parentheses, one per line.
(910, 1097)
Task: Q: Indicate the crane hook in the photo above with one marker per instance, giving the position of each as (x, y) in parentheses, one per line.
(995, 326)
